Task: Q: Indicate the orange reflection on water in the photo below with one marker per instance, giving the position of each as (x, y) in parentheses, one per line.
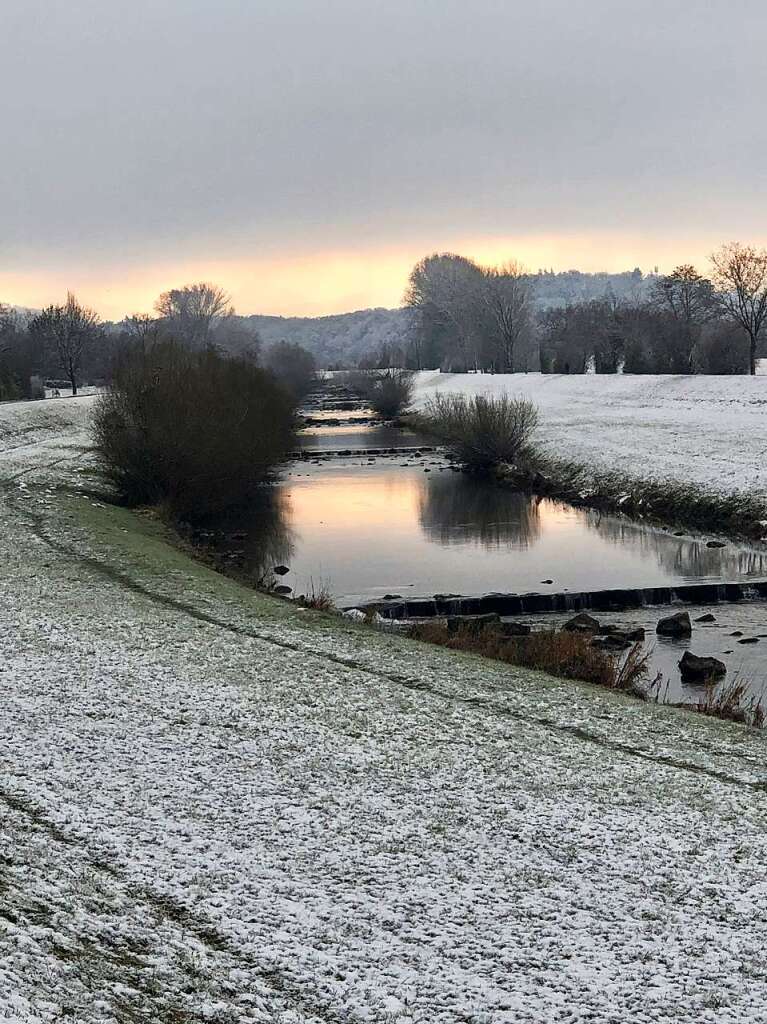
(386, 500)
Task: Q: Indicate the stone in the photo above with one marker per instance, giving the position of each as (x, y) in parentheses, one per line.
(392, 597)
(475, 624)
(736, 632)
(749, 640)
(675, 625)
(547, 581)
(582, 623)
(695, 669)
(282, 589)
(516, 629)
(708, 617)
(611, 642)
(715, 544)
(280, 570)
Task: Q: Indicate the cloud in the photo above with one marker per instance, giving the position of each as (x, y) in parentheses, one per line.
(158, 134)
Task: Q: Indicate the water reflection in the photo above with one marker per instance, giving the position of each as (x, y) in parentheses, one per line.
(370, 530)
(684, 557)
(455, 509)
(267, 538)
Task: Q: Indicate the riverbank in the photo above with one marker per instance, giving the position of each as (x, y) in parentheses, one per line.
(710, 431)
(217, 806)
(671, 449)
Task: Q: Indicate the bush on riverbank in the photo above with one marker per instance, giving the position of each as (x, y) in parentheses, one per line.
(482, 431)
(193, 431)
(389, 392)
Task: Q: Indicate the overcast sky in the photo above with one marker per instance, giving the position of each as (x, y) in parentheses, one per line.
(305, 152)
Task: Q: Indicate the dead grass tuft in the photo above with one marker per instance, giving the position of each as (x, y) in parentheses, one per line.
(559, 653)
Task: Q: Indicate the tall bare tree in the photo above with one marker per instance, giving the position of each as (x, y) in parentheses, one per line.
(506, 298)
(143, 329)
(191, 312)
(68, 331)
(740, 275)
(446, 290)
(690, 300)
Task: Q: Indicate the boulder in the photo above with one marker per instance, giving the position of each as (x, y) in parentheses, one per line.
(749, 640)
(282, 590)
(715, 544)
(611, 642)
(280, 570)
(516, 629)
(708, 617)
(629, 633)
(582, 623)
(675, 625)
(474, 624)
(695, 669)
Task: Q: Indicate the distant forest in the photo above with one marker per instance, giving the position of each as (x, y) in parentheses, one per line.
(346, 339)
(457, 316)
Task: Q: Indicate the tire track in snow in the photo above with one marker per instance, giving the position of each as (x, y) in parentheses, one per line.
(286, 994)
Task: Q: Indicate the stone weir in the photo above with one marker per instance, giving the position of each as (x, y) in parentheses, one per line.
(595, 600)
(307, 454)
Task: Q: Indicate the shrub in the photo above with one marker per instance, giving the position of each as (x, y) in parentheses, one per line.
(482, 431)
(293, 366)
(389, 392)
(557, 652)
(195, 431)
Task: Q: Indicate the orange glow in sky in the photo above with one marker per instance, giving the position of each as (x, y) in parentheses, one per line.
(317, 283)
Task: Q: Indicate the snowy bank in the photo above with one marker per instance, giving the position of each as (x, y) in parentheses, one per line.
(705, 430)
(217, 807)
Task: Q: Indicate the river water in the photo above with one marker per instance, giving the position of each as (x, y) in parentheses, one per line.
(407, 524)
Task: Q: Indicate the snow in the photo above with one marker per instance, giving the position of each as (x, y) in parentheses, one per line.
(707, 430)
(216, 808)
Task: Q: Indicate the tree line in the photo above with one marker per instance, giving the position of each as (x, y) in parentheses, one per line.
(69, 343)
(468, 317)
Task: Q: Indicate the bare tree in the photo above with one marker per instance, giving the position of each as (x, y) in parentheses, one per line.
(506, 299)
(69, 331)
(446, 289)
(143, 328)
(689, 298)
(740, 275)
(191, 312)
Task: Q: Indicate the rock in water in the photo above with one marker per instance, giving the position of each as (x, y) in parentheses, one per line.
(706, 618)
(715, 544)
(280, 570)
(675, 625)
(700, 670)
(582, 623)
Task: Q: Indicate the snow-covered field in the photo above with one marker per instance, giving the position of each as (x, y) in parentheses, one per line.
(709, 430)
(216, 807)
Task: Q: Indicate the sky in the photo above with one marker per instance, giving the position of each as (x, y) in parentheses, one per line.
(304, 154)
